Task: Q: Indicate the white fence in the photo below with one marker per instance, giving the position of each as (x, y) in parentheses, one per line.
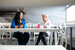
(5, 32)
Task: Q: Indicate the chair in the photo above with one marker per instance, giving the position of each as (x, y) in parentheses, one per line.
(37, 33)
(29, 26)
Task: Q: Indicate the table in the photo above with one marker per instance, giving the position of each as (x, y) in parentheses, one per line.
(32, 47)
(28, 29)
(32, 30)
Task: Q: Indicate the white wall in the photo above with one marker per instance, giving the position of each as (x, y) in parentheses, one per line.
(56, 14)
(33, 15)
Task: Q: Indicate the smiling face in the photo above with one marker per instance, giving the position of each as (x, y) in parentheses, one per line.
(21, 15)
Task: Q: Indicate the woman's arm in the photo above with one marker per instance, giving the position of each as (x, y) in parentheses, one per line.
(24, 23)
(21, 26)
(13, 24)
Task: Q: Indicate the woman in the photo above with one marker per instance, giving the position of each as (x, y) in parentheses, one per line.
(44, 24)
(19, 22)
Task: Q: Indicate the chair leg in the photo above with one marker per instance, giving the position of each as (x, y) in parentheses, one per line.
(51, 38)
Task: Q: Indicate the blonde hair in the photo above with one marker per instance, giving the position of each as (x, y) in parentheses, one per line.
(45, 15)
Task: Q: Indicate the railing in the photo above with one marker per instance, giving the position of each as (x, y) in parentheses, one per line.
(58, 32)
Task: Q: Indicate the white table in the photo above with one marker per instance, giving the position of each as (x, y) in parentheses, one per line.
(28, 29)
(32, 30)
(32, 47)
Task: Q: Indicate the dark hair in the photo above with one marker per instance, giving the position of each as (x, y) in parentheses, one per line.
(17, 17)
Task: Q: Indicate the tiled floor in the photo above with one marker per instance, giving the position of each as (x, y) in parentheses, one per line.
(14, 42)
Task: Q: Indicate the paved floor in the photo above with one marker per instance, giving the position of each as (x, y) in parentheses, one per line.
(14, 42)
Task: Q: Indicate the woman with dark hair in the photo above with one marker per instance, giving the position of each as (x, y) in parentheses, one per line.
(19, 22)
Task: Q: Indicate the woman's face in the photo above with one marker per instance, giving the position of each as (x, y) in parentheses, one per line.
(21, 15)
(44, 18)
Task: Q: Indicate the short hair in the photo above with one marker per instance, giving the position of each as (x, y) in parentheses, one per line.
(45, 15)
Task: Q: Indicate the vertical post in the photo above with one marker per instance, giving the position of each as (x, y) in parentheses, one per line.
(51, 38)
(71, 38)
(55, 35)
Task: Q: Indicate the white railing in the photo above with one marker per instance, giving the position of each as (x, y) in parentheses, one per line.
(56, 31)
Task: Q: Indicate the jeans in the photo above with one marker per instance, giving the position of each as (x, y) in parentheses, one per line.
(22, 38)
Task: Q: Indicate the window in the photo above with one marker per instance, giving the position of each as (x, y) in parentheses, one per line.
(71, 14)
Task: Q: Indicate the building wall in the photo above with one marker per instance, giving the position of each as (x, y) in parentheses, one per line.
(55, 14)
(33, 15)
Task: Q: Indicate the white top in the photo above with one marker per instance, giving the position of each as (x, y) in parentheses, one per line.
(47, 24)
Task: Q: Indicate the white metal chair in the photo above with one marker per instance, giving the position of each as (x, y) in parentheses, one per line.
(29, 26)
(37, 33)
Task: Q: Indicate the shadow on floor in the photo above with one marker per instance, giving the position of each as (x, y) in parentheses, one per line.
(68, 47)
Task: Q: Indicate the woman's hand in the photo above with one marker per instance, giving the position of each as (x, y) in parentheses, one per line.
(41, 27)
(45, 26)
(21, 26)
(16, 26)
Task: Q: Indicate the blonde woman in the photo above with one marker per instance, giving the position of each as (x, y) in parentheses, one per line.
(45, 23)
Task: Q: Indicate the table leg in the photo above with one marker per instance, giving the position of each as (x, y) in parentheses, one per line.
(55, 35)
(71, 38)
(51, 38)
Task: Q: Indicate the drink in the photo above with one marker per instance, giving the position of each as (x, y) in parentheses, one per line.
(38, 25)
